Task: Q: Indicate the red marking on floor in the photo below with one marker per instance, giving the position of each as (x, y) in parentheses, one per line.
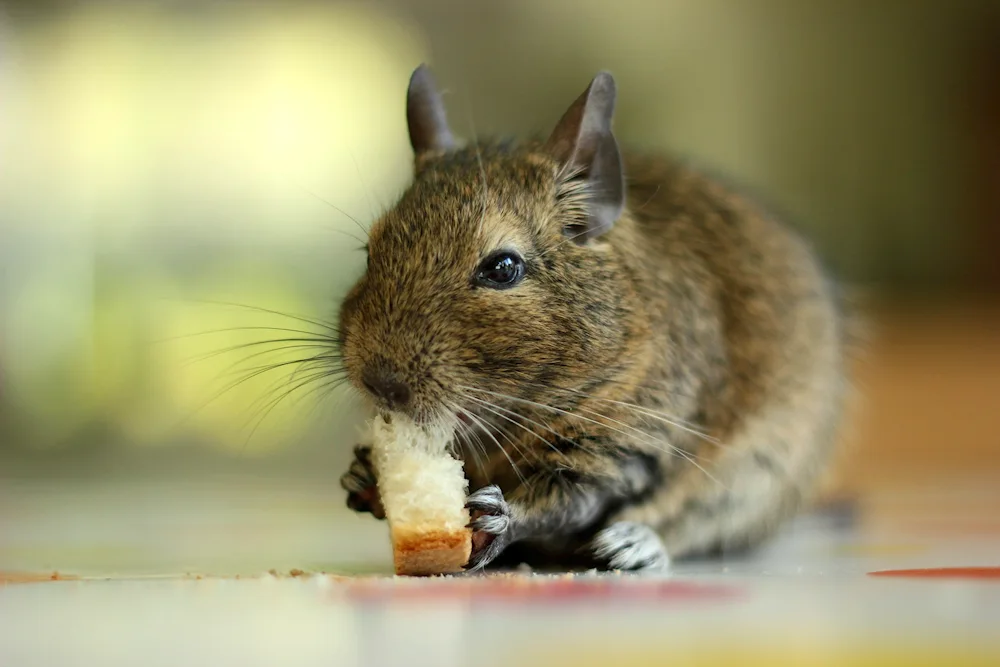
(523, 590)
(942, 573)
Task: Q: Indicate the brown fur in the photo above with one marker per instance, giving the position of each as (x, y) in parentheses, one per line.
(685, 370)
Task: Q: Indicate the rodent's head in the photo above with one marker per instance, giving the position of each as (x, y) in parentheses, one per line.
(491, 284)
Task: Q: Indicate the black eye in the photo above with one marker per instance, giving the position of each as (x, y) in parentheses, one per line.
(500, 271)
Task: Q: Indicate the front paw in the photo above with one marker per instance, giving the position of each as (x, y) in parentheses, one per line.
(632, 547)
(361, 484)
(491, 524)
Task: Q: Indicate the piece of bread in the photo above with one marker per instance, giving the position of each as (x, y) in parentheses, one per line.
(423, 491)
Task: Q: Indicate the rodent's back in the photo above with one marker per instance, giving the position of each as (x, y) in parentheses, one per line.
(747, 323)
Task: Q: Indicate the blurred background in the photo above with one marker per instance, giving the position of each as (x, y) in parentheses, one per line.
(180, 181)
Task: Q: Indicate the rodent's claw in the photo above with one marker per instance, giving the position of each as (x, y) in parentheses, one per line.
(487, 500)
(491, 522)
(361, 484)
(632, 547)
(360, 475)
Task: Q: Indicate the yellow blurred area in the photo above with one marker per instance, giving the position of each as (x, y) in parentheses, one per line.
(115, 103)
(153, 163)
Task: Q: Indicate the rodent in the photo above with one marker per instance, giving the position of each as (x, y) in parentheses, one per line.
(641, 363)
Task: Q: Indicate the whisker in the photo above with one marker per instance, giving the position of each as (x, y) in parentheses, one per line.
(657, 386)
(326, 387)
(485, 425)
(284, 344)
(492, 407)
(318, 336)
(273, 404)
(654, 443)
(364, 186)
(513, 466)
(326, 390)
(315, 371)
(272, 390)
(474, 441)
(233, 385)
(344, 213)
(327, 326)
(465, 440)
(282, 364)
(348, 235)
(476, 445)
(541, 406)
(660, 386)
(662, 416)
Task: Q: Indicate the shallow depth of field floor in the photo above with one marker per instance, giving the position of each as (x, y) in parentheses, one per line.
(812, 598)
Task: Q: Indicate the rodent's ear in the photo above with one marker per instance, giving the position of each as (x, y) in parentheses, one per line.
(585, 145)
(425, 115)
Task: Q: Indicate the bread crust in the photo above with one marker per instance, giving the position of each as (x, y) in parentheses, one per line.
(419, 551)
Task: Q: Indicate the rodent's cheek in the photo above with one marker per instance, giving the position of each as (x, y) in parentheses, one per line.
(353, 363)
(351, 352)
(347, 323)
(503, 332)
(349, 305)
(504, 317)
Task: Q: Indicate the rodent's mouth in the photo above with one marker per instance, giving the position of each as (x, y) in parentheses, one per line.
(460, 422)
(439, 429)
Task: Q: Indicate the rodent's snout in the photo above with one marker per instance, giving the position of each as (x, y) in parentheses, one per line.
(408, 389)
(387, 387)
(393, 362)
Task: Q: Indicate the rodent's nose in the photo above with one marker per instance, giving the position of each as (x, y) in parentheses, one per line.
(387, 387)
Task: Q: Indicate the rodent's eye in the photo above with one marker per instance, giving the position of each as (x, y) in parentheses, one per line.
(502, 270)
